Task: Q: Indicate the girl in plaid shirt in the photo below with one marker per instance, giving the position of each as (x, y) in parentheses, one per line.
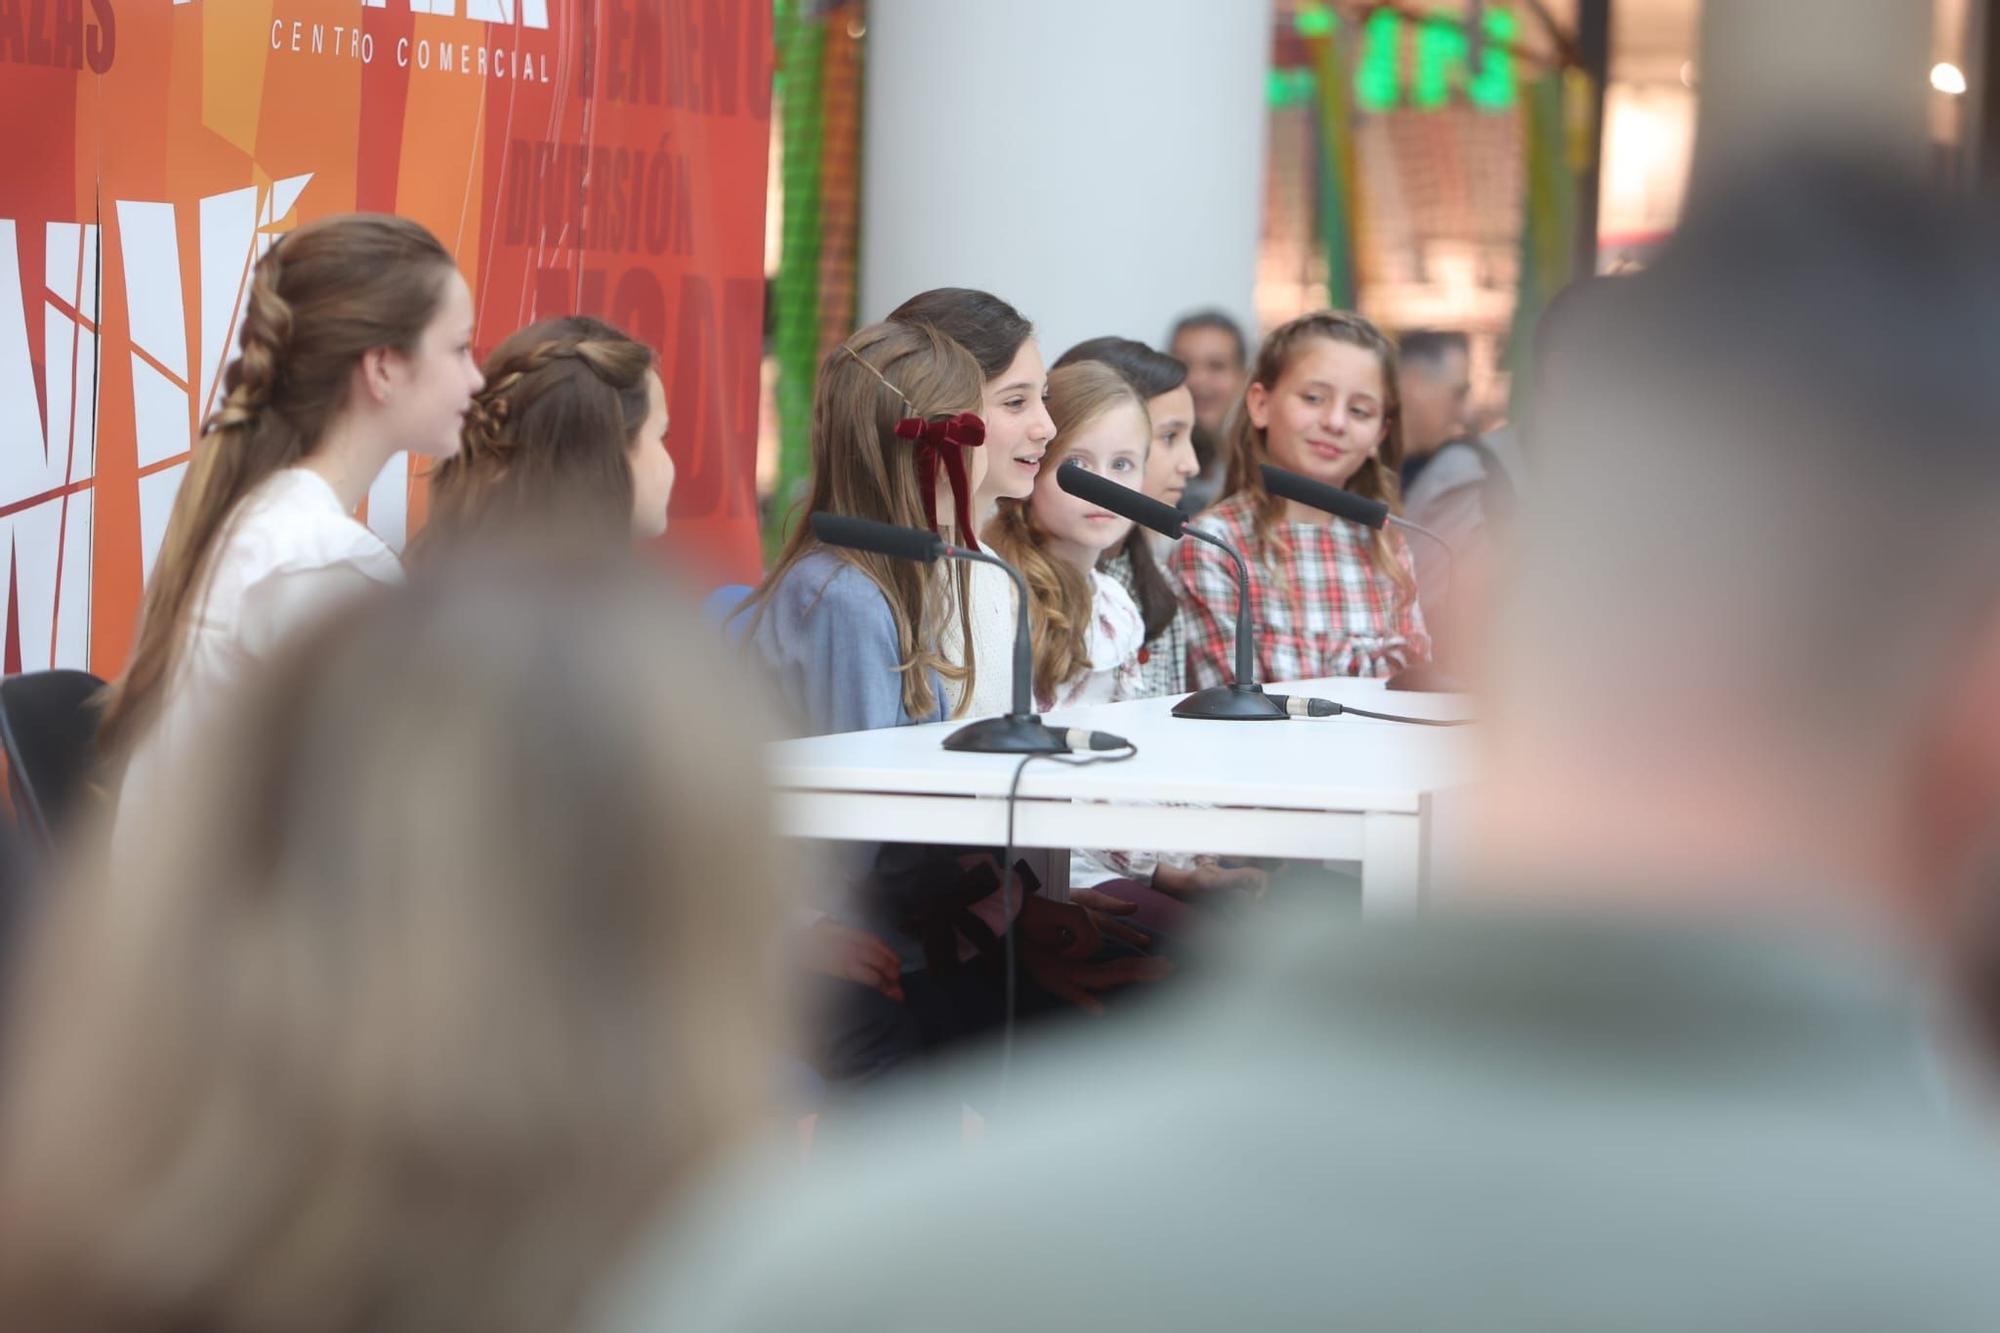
(1328, 598)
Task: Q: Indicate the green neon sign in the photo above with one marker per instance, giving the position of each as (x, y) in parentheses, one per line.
(1442, 64)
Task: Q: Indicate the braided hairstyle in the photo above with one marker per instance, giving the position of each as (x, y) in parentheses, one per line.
(320, 298)
(549, 439)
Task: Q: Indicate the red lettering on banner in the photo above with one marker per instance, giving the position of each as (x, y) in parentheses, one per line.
(68, 52)
(599, 199)
(102, 44)
(40, 48)
(711, 56)
(722, 26)
(52, 33)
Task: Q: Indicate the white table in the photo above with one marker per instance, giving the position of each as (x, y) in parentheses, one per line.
(1339, 789)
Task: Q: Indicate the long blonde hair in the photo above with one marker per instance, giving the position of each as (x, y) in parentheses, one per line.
(1377, 479)
(1080, 394)
(319, 298)
(861, 469)
(424, 999)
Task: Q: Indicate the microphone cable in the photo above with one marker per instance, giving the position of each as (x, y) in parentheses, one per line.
(1008, 915)
(1299, 705)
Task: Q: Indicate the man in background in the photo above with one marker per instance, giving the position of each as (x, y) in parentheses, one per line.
(1433, 389)
(1211, 345)
(1456, 484)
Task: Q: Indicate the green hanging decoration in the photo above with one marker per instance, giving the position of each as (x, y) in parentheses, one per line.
(1339, 175)
(801, 46)
(1548, 226)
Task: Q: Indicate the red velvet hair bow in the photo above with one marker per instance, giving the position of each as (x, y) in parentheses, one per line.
(964, 431)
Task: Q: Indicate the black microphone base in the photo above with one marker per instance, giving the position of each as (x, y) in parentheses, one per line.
(1015, 733)
(1425, 679)
(1232, 703)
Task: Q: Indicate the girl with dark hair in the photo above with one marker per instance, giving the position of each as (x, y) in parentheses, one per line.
(1013, 403)
(570, 429)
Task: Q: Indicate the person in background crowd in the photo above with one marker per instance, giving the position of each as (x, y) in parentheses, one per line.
(1217, 356)
(1456, 483)
(1434, 387)
(424, 994)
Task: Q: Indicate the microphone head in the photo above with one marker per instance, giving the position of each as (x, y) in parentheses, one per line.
(861, 534)
(1122, 500)
(1327, 499)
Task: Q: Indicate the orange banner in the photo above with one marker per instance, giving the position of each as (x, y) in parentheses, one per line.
(598, 156)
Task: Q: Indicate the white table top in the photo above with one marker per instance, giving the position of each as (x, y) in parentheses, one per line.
(1337, 763)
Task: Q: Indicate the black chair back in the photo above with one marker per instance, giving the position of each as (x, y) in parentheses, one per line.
(48, 725)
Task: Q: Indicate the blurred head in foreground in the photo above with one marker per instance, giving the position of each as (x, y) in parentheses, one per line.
(445, 969)
(1754, 648)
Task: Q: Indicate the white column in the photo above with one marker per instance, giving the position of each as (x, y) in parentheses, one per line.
(1098, 163)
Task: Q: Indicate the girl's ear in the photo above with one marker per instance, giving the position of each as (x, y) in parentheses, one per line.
(1257, 402)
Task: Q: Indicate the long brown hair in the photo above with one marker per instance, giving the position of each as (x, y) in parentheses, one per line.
(549, 439)
(861, 469)
(421, 1003)
(319, 298)
(1377, 479)
(1152, 374)
(1079, 395)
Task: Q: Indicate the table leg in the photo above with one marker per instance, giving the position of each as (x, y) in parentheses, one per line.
(1392, 864)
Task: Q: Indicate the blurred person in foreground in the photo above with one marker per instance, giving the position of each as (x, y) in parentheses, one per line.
(1678, 1060)
(446, 967)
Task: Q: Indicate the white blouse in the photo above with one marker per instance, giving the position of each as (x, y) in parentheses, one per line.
(1117, 633)
(990, 595)
(289, 554)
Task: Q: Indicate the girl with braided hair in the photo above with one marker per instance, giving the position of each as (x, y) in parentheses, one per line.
(570, 430)
(356, 345)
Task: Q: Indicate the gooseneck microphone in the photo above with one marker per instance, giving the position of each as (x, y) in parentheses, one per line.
(1369, 514)
(1342, 503)
(1020, 731)
(1243, 700)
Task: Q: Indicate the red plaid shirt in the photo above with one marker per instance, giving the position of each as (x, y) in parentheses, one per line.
(1332, 614)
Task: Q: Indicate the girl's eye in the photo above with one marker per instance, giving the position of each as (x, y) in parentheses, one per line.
(1015, 404)
(1122, 465)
